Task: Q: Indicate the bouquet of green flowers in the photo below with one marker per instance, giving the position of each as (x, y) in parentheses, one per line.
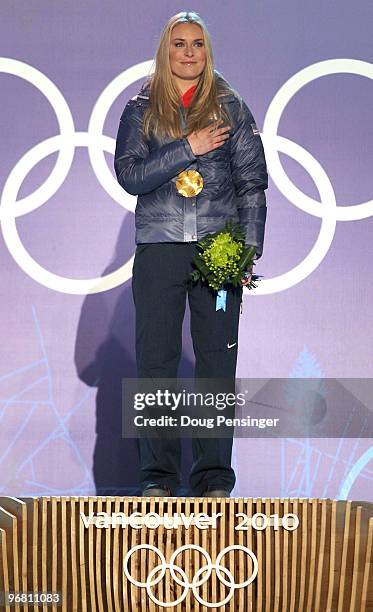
(223, 259)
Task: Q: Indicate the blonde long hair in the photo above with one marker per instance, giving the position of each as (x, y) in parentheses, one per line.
(162, 115)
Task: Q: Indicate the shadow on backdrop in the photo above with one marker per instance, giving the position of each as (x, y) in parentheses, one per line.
(104, 354)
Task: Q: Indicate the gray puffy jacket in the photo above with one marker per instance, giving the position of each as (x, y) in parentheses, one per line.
(234, 178)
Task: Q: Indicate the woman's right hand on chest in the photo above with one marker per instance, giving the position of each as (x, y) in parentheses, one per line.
(209, 138)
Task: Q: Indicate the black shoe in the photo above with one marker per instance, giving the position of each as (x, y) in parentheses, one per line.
(155, 490)
(216, 493)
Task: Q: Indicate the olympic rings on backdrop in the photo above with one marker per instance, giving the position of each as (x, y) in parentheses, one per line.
(97, 144)
(65, 142)
(326, 208)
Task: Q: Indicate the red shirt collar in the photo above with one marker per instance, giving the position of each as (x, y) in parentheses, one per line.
(187, 96)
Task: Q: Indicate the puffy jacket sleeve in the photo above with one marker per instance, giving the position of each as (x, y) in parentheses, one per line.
(138, 170)
(250, 178)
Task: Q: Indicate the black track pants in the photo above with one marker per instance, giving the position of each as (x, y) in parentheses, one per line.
(159, 286)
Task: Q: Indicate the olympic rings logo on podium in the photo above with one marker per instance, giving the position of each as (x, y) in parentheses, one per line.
(160, 569)
(97, 143)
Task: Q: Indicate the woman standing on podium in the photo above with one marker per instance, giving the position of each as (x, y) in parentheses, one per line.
(187, 117)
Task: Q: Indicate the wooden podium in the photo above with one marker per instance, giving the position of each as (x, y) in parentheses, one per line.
(289, 555)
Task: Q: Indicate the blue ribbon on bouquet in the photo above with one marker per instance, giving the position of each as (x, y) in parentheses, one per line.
(221, 300)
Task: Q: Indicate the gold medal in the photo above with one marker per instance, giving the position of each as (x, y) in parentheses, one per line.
(189, 183)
